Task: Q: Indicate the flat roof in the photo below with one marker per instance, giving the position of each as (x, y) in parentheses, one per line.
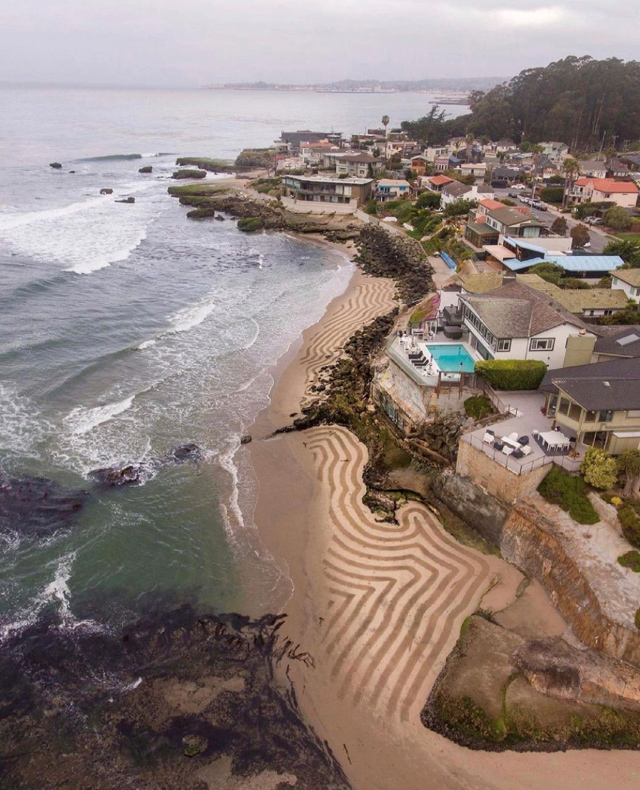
(570, 263)
(332, 180)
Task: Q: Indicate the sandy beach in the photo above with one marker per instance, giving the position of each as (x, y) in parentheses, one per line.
(377, 607)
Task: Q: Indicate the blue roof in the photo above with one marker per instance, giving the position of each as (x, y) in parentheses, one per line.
(526, 245)
(448, 260)
(571, 263)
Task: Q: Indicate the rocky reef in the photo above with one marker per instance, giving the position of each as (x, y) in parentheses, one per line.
(134, 474)
(205, 163)
(176, 699)
(189, 174)
(55, 165)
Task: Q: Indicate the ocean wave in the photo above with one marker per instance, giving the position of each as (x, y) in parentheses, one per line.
(231, 513)
(112, 158)
(189, 317)
(82, 420)
(146, 344)
(22, 427)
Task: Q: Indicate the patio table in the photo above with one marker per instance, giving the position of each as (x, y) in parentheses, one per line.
(554, 439)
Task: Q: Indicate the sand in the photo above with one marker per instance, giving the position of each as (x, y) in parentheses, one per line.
(378, 607)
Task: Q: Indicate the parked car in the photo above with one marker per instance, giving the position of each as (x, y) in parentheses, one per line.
(593, 221)
(512, 194)
(518, 186)
(538, 205)
(525, 199)
(499, 184)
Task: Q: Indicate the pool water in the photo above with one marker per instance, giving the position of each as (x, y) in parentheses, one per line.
(449, 357)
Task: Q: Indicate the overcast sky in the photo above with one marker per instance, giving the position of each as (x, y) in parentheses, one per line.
(194, 42)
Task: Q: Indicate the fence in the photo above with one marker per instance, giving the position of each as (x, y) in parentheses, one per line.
(498, 404)
(516, 465)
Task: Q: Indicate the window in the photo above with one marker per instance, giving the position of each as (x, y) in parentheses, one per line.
(541, 344)
(504, 345)
(563, 406)
(605, 416)
(591, 416)
(633, 413)
(608, 312)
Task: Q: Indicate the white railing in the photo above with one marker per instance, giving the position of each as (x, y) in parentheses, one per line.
(516, 465)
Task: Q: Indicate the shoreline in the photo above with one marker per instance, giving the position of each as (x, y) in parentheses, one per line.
(296, 513)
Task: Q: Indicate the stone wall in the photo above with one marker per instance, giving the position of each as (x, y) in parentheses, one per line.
(494, 478)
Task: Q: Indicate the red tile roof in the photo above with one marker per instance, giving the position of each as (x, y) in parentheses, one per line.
(441, 180)
(491, 204)
(608, 185)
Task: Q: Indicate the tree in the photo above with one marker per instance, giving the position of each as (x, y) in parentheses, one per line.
(600, 470)
(580, 235)
(385, 123)
(428, 200)
(552, 195)
(629, 463)
(571, 170)
(627, 249)
(617, 218)
(459, 207)
(560, 226)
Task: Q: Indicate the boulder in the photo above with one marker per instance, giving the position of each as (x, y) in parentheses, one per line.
(219, 217)
(106, 191)
(145, 169)
(246, 438)
(127, 200)
(194, 744)
(114, 476)
(55, 165)
(187, 452)
(72, 171)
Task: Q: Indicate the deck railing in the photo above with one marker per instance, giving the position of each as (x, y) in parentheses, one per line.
(520, 466)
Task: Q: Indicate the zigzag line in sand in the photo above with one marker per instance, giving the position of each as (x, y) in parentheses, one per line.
(400, 591)
(371, 299)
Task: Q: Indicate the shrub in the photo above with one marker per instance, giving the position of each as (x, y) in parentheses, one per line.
(552, 194)
(250, 224)
(371, 206)
(600, 470)
(617, 218)
(616, 501)
(512, 374)
(630, 523)
(630, 560)
(569, 493)
(478, 407)
(580, 235)
(428, 200)
(560, 226)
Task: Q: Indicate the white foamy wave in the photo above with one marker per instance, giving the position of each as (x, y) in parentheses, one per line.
(22, 427)
(231, 513)
(146, 344)
(81, 420)
(188, 317)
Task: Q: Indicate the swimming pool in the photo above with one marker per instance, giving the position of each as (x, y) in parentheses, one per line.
(449, 356)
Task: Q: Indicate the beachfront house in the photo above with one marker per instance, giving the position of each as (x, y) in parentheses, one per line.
(455, 191)
(326, 193)
(392, 189)
(518, 322)
(599, 404)
(434, 183)
(357, 165)
(627, 281)
(588, 267)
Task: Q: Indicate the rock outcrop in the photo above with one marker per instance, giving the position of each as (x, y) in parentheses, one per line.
(189, 174)
(35, 507)
(106, 191)
(145, 169)
(55, 165)
(127, 200)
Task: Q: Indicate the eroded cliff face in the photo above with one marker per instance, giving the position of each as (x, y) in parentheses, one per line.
(528, 542)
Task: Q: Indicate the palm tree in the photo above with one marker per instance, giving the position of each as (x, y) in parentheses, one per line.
(571, 170)
(469, 139)
(385, 123)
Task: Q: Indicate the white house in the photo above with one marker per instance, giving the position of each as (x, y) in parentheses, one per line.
(593, 169)
(475, 169)
(451, 193)
(622, 193)
(555, 151)
(627, 280)
(517, 322)
(432, 152)
(392, 189)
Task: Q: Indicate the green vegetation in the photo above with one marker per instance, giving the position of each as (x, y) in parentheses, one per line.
(569, 493)
(189, 174)
(478, 407)
(580, 235)
(251, 158)
(552, 195)
(512, 374)
(638, 618)
(250, 224)
(459, 208)
(630, 523)
(630, 560)
(627, 249)
(588, 209)
(371, 207)
(560, 226)
(205, 163)
(600, 470)
(267, 186)
(555, 274)
(617, 218)
(630, 315)
(430, 200)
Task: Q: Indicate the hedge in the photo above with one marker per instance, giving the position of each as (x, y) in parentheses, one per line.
(630, 523)
(512, 374)
(569, 493)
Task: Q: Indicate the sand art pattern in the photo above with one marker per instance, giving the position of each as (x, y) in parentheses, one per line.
(373, 297)
(397, 593)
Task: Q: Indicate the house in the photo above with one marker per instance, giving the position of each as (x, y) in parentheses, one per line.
(419, 164)
(590, 267)
(628, 281)
(617, 342)
(392, 189)
(593, 168)
(544, 168)
(441, 163)
(517, 322)
(618, 169)
(294, 139)
(585, 302)
(325, 193)
(555, 151)
(475, 169)
(455, 191)
(622, 193)
(510, 221)
(357, 165)
(432, 152)
(502, 146)
(510, 175)
(312, 153)
(598, 403)
(434, 183)
(479, 234)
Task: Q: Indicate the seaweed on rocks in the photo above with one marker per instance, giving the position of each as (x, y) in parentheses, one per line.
(168, 701)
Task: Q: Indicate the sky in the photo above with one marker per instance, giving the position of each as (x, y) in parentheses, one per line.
(189, 43)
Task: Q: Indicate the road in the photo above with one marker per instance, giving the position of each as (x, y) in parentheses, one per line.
(599, 240)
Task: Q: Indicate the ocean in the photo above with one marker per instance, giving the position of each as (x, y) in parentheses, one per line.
(127, 331)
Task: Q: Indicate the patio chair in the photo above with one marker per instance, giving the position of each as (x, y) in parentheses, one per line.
(498, 446)
(507, 450)
(518, 454)
(526, 450)
(489, 438)
(523, 440)
(536, 434)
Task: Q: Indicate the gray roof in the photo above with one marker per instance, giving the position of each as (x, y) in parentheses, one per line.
(601, 386)
(511, 217)
(456, 189)
(514, 310)
(619, 341)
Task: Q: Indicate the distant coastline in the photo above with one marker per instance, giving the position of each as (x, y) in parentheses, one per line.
(446, 87)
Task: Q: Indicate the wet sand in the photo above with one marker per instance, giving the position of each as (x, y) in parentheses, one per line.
(379, 606)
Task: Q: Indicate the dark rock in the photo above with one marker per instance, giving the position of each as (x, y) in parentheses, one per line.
(127, 200)
(72, 171)
(194, 744)
(179, 174)
(188, 452)
(55, 165)
(106, 191)
(114, 476)
(246, 439)
(35, 506)
(145, 169)
(219, 217)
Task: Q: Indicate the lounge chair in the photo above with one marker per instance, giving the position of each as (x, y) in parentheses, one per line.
(507, 450)
(523, 440)
(526, 450)
(489, 438)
